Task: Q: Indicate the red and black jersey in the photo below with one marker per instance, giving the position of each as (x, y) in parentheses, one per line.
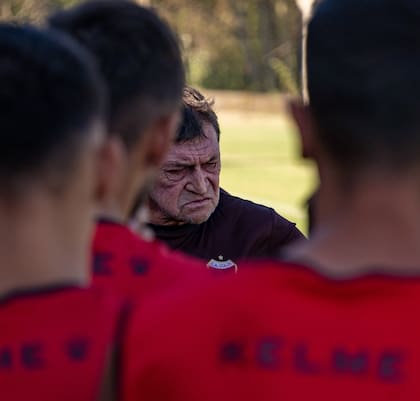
(54, 345)
(125, 263)
(279, 332)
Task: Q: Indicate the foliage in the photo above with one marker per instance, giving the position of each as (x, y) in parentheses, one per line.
(247, 44)
(228, 44)
(30, 10)
(225, 70)
(285, 75)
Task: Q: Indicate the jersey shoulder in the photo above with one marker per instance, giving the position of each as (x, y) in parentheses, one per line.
(57, 343)
(125, 263)
(264, 332)
(267, 290)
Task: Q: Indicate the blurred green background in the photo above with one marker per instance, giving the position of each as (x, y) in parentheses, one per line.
(260, 162)
(249, 45)
(261, 154)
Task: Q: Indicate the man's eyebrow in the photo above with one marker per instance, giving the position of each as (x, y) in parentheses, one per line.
(213, 158)
(181, 163)
(177, 164)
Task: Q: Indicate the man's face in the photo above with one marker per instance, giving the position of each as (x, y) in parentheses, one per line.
(187, 187)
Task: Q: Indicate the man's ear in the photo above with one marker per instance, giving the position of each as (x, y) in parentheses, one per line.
(302, 116)
(111, 160)
(163, 132)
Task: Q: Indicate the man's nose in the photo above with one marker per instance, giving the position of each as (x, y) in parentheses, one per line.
(198, 183)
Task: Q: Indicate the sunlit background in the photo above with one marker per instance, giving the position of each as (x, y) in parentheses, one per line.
(247, 56)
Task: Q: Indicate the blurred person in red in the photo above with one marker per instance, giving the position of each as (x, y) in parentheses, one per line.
(55, 334)
(140, 59)
(337, 320)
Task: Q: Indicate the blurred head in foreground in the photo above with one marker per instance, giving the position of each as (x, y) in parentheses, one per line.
(140, 59)
(52, 127)
(364, 87)
(362, 125)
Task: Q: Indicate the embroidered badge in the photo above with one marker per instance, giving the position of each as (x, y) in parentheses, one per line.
(221, 264)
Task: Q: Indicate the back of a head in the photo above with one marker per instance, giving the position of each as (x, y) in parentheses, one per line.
(196, 110)
(363, 79)
(138, 55)
(49, 96)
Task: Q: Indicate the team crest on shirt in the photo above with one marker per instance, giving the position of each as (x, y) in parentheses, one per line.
(221, 264)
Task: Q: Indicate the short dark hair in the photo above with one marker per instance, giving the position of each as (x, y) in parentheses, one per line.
(364, 81)
(50, 94)
(196, 110)
(138, 55)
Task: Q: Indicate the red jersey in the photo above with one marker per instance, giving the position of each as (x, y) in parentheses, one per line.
(125, 263)
(281, 332)
(54, 344)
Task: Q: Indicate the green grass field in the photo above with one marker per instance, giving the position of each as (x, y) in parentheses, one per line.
(261, 162)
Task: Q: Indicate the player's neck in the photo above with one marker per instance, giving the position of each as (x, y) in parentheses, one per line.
(158, 218)
(110, 209)
(374, 224)
(39, 247)
(120, 199)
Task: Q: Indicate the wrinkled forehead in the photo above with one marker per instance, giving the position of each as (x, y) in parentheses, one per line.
(202, 147)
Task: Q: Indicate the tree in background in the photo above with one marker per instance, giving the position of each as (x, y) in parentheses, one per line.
(228, 44)
(30, 10)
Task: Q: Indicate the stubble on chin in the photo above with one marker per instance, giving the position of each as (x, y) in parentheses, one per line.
(199, 219)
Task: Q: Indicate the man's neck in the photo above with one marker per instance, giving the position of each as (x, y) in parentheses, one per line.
(120, 199)
(116, 204)
(158, 218)
(37, 251)
(372, 225)
(162, 221)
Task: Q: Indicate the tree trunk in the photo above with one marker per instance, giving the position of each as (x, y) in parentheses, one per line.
(242, 36)
(269, 41)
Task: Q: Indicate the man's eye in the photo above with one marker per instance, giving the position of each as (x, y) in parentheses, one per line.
(212, 166)
(175, 174)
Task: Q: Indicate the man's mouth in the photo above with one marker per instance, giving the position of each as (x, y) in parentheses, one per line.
(198, 202)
